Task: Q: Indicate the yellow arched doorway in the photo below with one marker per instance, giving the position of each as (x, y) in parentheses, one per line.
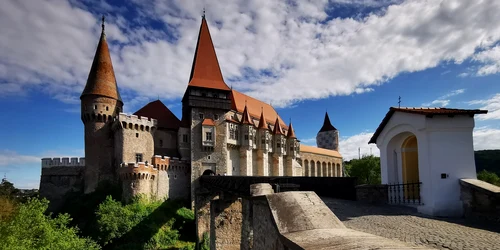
(409, 153)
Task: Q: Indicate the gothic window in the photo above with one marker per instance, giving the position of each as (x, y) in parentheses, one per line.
(138, 157)
(232, 133)
(278, 145)
(263, 141)
(184, 138)
(208, 136)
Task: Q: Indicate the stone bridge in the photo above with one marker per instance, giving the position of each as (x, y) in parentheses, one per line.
(236, 212)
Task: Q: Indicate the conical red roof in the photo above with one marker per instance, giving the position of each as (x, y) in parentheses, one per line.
(245, 118)
(277, 128)
(291, 133)
(205, 71)
(262, 121)
(157, 110)
(101, 80)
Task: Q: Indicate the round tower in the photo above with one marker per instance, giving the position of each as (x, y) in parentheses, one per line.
(328, 135)
(100, 103)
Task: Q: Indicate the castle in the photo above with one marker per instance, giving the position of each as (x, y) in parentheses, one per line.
(153, 153)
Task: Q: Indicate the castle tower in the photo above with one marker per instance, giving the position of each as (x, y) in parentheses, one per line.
(328, 135)
(100, 103)
(207, 98)
(247, 142)
(279, 144)
(263, 146)
(292, 149)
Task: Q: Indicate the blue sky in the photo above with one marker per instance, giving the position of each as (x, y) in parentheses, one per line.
(350, 57)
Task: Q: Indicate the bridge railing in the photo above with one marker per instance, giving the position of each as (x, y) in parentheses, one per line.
(334, 187)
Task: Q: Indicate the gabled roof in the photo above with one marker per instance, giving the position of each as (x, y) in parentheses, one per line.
(423, 111)
(205, 72)
(321, 151)
(101, 80)
(291, 133)
(208, 122)
(157, 110)
(327, 125)
(255, 107)
(277, 130)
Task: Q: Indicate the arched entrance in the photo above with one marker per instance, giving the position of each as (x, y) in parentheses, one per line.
(409, 154)
(208, 172)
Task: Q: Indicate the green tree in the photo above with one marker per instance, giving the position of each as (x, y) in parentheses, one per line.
(30, 228)
(366, 169)
(7, 188)
(489, 177)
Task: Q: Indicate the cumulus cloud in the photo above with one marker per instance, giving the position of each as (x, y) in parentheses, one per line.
(486, 138)
(492, 105)
(274, 50)
(349, 146)
(490, 58)
(444, 101)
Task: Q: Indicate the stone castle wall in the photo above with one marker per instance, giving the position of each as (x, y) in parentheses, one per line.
(138, 179)
(328, 140)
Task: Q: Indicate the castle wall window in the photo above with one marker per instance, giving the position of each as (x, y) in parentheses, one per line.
(161, 143)
(138, 157)
(202, 116)
(137, 135)
(278, 145)
(95, 106)
(208, 136)
(216, 117)
(107, 108)
(246, 137)
(184, 138)
(232, 133)
(263, 141)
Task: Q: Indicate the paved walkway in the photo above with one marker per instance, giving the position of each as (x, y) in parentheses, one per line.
(405, 224)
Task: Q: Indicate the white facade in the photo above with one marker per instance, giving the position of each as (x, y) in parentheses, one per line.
(445, 155)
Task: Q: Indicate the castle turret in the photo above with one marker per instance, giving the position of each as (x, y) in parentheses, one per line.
(100, 103)
(247, 142)
(263, 146)
(279, 144)
(293, 148)
(328, 135)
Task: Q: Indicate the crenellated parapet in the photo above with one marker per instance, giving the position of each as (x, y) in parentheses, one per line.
(63, 162)
(126, 121)
(161, 162)
(137, 171)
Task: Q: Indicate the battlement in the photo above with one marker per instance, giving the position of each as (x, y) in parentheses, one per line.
(137, 170)
(136, 122)
(63, 162)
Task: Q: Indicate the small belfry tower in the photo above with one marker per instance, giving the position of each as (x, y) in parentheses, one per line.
(328, 135)
(100, 103)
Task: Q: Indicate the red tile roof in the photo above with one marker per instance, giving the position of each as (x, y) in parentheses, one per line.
(157, 110)
(101, 80)
(245, 117)
(291, 132)
(423, 111)
(208, 122)
(321, 151)
(205, 71)
(255, 107)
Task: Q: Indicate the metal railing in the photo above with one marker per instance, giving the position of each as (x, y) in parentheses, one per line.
(404, 193)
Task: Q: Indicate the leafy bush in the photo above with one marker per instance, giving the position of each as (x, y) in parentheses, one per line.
(366, 169)
(30, 228)
(489, 177)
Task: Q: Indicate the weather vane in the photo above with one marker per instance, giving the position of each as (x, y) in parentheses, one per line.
(203, 12)
(102, 25)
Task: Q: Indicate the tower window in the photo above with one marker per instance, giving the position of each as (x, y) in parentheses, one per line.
(137, 135)
(138, 157)
(208, 136)
(246, 137)
(107, 108)
(216, 117)
(95, 106)
(161, 143)
(184, 138)
(278, 145)
(201, 116)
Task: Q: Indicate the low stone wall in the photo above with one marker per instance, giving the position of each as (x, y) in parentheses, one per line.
(372, 193)
(57, 181)
(480, 199)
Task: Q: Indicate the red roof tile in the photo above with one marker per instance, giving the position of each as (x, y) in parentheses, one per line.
(101, 80)
(423, 111)
(208, 122)
(205, 71)
(157, 110)
(255, 107)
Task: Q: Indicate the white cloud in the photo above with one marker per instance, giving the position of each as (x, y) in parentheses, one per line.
(492, 105)
(49, 44)
(444, 101)
(486, 138)
(349, 146)
(490, 58)
(10, 158)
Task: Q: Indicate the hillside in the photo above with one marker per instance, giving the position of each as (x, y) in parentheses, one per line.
(488, 160)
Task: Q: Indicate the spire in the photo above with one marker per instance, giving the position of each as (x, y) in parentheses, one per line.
(277, 127)
(262, 120)
(101, 80)
(327, 125)
(245, 118)
(291, 133)
(205, 71)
